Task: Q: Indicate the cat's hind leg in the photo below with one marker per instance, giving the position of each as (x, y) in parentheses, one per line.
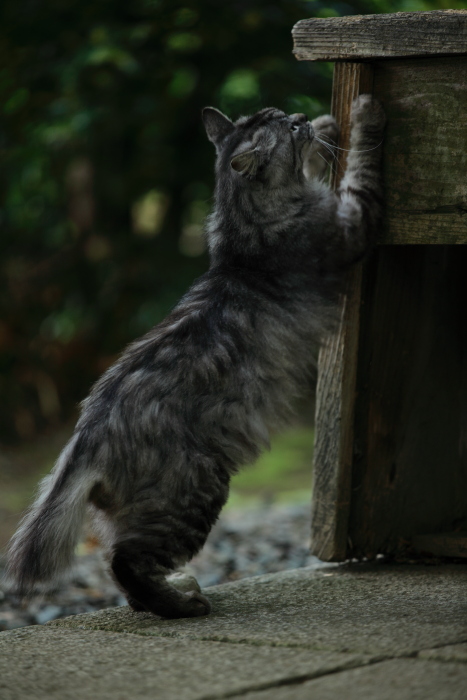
(149, 542)
(164, 525)
(140, 566)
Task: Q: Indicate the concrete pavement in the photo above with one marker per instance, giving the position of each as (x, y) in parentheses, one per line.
(341, 632)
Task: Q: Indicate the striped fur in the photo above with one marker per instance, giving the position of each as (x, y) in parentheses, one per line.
(186, 405)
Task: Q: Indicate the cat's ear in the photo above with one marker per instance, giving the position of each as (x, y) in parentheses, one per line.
(217, 125)
(246, 163)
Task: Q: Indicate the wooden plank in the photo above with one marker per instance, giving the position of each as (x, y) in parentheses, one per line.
(425, 149)
(349, 81)
(410, 462)
(402, 34)
(335, 396)
(337, 370)
(446, 544)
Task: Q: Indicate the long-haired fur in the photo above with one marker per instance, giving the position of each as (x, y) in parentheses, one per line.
(186, 405)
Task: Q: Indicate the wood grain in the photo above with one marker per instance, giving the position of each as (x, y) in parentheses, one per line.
(409, 473)
(391, 416)
(446, 544)
(425, 149)
(403, 34)
(337, 371)
(335, 397)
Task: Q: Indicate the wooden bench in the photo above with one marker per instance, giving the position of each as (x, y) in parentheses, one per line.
(390, 473)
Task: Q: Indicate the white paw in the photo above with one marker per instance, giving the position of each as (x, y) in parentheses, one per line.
(183, 582)
(368, 112)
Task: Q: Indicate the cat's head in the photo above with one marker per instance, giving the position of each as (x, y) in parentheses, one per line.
(268, 147)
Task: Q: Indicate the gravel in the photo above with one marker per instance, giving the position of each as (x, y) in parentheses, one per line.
(244, 542)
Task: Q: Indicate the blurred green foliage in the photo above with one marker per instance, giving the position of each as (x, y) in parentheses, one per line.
(106, 174)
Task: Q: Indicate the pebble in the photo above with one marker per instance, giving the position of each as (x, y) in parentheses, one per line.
(50, 612)
(244, 542)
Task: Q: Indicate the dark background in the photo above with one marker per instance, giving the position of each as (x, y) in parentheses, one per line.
(106, 174)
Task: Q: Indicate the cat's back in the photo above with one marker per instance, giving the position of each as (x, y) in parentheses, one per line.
(208, 332)
(225, 359)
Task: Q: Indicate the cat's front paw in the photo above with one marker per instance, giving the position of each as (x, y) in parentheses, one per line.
(326, 127)
(367, 112)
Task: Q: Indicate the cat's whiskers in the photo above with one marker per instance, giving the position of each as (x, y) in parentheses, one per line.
(365, 150)
(328, 146)
(329, 163)
(330, 149)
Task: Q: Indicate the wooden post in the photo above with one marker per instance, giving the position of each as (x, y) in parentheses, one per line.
(337, 367)
(390, 469)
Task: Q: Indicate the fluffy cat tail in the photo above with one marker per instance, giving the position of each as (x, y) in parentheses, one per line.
(44, 543)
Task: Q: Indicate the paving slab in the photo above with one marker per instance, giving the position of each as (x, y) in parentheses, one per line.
(364, 609)
(400, 679)
(71, 664)
(452, 652)
(366, 632)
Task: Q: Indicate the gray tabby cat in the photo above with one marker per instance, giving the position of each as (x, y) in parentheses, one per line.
(165, 428)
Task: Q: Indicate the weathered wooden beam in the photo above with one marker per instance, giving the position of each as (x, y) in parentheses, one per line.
(391, 416)
(365, 37)
(335, 395)
(425, 149)
(446, 544)
(409, 472)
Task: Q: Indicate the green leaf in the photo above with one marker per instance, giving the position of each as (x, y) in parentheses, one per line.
(184, 41)
(183, 82)
(16, 101)
(241, 84)
(123, 60)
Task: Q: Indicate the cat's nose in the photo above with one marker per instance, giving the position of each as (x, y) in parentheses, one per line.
(299, 118)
